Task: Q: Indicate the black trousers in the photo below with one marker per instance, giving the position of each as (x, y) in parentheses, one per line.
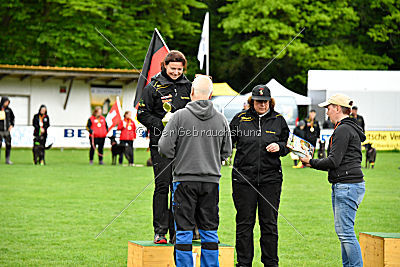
(163, 219)
(128, 151)
(99, 142)
(196, 203)
(246, 201)
(7, 139)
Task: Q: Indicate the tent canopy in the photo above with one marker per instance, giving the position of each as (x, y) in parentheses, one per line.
(278, 89)
(223, 89)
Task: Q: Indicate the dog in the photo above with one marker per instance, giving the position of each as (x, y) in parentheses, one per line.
(321, 151)
(118, 149)
(370, 156)
(38, 150)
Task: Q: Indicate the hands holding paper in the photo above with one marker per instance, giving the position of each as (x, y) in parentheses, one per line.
(306, 161)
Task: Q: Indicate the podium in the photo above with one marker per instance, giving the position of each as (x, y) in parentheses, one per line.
(148, 254)
(380, 249)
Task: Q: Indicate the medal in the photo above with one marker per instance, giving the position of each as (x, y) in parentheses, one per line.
(312, 129)
(99, 124)
(129, 127)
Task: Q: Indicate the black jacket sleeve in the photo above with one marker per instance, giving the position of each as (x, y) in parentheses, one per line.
(234, 126)
(146, 106)
(12, 118)
(35, 123)
(89, 126)
(340, 140)
(283, 137)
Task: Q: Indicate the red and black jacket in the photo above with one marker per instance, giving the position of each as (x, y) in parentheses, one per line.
(97, 127)
(128, 129)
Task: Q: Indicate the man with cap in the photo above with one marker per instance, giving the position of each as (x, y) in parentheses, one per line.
(358, 118)
(344, 173)
(7, 120)
(260, 135)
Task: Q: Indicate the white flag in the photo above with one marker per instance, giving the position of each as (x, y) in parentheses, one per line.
(203, 47)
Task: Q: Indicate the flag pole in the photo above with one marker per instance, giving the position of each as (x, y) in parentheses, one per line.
(208, 46)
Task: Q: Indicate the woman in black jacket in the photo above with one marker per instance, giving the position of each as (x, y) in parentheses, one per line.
(41, 123)
(260, 135)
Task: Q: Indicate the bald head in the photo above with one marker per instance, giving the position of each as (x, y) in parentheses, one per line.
(201, 88)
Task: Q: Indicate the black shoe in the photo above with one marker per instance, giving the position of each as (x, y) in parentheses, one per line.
(160, 239)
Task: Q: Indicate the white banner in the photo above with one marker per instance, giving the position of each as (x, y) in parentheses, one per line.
(69, 137)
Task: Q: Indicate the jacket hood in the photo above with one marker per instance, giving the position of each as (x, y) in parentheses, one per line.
(3, 100)
(202, 109)
(353, 123)
(42, 106)
(163, 80)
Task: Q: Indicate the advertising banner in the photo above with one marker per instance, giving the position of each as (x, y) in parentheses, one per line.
(70, 137)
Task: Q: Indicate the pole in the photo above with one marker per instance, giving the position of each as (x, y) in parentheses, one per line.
(208, 46)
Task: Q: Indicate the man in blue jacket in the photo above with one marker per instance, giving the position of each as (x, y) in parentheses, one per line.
(344, 173)
(198, 138)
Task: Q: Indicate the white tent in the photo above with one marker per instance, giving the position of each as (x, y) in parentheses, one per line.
(278, 89)
(376, 93)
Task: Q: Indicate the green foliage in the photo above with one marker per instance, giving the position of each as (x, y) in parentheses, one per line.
(334, 36)
(61, 32)
(245, 35)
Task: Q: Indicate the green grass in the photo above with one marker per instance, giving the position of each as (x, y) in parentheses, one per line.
(51, 214)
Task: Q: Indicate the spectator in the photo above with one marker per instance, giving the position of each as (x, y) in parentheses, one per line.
(246, 105)
(128, 134)
(197, 172)
(260, 135)
(328, 124)
(312, 130)
(97, 128)
(41, 122)
(358, 118)
(7, 120)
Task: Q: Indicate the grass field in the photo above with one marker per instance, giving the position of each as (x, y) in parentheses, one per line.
(51, 214)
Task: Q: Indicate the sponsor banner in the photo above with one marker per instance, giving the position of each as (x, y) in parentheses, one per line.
(384, 140)
(380, 140)
(70, 137)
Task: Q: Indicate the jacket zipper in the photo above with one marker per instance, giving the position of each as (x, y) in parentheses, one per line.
(259, 151)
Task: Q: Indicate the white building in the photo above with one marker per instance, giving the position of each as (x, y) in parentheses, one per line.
(375, 93)
(68, 94)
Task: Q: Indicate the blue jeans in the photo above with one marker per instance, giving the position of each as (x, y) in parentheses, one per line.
(345, 201)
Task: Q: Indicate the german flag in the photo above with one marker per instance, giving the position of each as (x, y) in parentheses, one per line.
(156, 53)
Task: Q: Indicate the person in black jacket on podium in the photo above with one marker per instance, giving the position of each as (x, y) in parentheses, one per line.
(169, 86)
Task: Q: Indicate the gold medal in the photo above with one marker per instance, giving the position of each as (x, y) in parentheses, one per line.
(99, 124)
(129, 127)
(312, 129)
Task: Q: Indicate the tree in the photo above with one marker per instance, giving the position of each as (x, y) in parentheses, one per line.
(332, 38)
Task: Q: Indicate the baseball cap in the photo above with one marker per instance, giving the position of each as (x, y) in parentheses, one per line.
(261, 92)
(338, 99)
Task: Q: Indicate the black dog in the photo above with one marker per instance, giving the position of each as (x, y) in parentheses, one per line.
(370, 156)
(321, 151)
(117, 150)
(39, 149)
